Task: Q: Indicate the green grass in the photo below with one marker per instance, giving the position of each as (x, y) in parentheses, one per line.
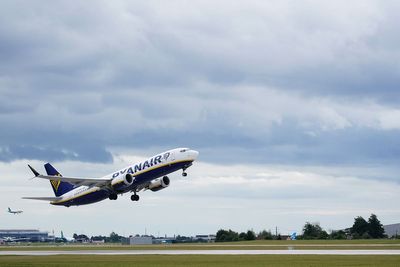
(250, 245)
(316, 242)
(309, 242)
(199, 261)
(72, 248)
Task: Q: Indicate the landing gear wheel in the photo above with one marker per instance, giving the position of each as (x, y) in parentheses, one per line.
(184, 174)
(113, 196)
(135, 197)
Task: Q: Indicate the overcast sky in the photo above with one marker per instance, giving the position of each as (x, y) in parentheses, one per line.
(294, 107)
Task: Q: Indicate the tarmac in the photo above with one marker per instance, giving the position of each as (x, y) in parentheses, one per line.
(201, 252)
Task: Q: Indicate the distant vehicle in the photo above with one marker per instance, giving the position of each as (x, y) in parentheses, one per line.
(14, 211)
(148, 174)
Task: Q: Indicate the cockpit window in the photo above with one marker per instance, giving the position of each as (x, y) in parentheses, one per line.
(184, 150)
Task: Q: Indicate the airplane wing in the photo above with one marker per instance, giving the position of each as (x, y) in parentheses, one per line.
(73, 180)
(44, 198)
(77, 181)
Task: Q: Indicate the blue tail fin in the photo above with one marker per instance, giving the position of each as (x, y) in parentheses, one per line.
(59, 187)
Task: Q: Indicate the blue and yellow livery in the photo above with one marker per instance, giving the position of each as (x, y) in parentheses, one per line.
(149, 174)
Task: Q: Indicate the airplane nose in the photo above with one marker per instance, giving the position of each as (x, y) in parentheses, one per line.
(194, 154)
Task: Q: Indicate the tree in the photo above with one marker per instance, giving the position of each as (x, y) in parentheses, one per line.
(313, 231)
(242, 236)
(114, 238)
(375, 228)
(250, 235)
(226, 236)
(338, 235)
(266, 235)
(221, 236)
(359, 228)
(323, 235)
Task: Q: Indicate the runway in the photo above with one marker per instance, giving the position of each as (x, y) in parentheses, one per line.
(199, 252)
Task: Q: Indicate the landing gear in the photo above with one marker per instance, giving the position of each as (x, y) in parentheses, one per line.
(113, 196)
(135, 197)
(184, 174)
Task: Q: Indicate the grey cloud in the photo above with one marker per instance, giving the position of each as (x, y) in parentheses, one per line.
(332, 53)
(285, 144)
(85, 77)
(305, 86)
(52, 146)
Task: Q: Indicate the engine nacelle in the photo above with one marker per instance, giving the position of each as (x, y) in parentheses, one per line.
(159, 183)
(122, 182)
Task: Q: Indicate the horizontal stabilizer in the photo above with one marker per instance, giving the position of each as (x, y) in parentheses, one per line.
(44, 198)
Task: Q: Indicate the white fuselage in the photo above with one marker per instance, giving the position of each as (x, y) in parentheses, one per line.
(142, 172)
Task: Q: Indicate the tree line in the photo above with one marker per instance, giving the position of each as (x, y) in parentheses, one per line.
(361, 229)
(232, 236)
(113, 238)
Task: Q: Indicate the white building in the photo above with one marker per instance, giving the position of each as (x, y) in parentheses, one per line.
(206, 238)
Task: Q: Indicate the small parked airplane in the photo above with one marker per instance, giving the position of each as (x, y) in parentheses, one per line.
(148, 174)
(14, 211)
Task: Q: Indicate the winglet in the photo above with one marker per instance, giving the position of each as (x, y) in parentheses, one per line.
(34, 171)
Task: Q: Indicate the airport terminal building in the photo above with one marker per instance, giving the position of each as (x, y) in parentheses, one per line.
(24, 234)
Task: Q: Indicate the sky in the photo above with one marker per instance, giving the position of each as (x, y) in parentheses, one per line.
(294, 107)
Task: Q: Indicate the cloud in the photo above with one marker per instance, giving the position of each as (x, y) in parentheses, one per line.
(243, 123)
(263, 196)
(315, 47)
(294, 107)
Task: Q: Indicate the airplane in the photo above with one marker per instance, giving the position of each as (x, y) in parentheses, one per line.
(14, 211)
(150, 174)
(61, 239)
(10, 239)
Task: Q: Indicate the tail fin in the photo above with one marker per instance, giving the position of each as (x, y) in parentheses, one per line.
(293, 236)
(59, 187)
(9, 210)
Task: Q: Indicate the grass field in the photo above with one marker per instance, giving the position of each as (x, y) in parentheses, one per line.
(210, 260)
(249, 245)
(198, 261)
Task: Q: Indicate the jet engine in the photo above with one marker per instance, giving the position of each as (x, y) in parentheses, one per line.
(159, 183)
(122, 182)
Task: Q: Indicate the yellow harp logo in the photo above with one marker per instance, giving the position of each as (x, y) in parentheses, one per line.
(55, 184)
